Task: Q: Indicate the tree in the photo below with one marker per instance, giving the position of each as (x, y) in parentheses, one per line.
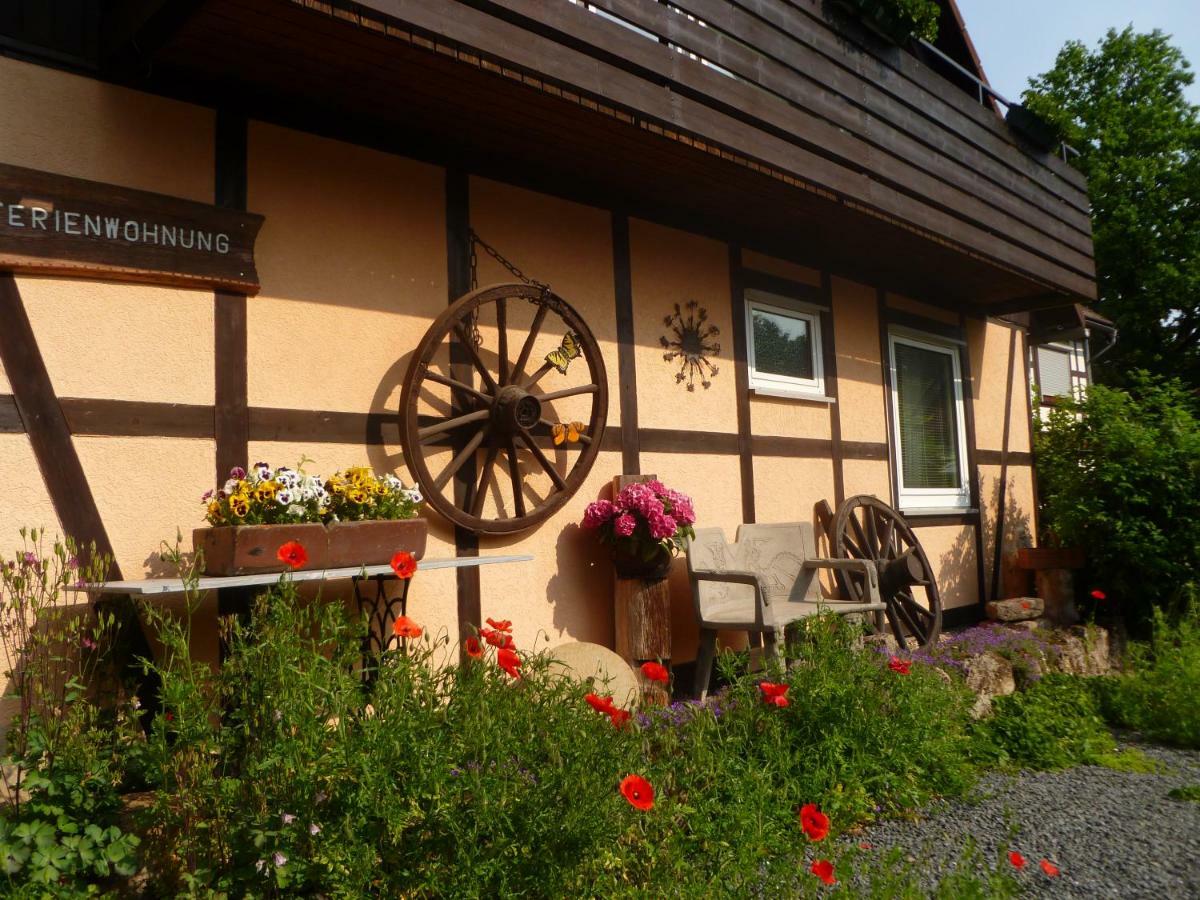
(1122, 106)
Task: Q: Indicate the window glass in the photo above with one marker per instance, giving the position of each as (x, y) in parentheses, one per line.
(927, 414)
(782, 344)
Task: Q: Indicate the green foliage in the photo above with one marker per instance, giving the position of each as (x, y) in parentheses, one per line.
(899, 19)
(62, 768)
(462, 781)
(1187, 792)
(1159, 695)
(1122, 105)
(1053, 724)
(1119, 474)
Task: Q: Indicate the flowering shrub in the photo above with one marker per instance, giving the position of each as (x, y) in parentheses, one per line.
(645, 519)
(266, 496)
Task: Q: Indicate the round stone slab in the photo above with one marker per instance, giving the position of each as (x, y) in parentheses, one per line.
(599, 667)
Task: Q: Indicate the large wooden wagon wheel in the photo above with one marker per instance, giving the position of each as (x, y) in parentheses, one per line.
(470, 408)
(867, 528)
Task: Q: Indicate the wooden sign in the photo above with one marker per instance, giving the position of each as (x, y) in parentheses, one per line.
(55, 225)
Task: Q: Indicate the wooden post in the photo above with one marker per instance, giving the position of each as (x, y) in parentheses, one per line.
(642, 619)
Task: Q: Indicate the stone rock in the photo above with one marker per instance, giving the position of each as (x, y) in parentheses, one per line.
(883, 639)
(1017, 609)
(989, 675)
(601, 668)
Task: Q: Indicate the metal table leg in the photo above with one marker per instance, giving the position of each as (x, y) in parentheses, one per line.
(381, 613)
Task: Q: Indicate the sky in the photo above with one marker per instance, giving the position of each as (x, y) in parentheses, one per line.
(1017, 39)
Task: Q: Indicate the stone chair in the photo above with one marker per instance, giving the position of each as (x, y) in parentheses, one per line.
(761, 582)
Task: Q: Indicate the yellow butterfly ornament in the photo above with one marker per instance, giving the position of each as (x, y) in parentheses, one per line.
(568, 433)
(568, 350)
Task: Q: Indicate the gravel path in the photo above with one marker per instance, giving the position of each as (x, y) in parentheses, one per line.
(1112, 834)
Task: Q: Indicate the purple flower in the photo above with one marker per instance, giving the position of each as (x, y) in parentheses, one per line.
(287, 818)
(624, 525)
(237, 473)
(314, 829)
(598, 513)
(207, 496)
(280, 859)
(88, 643)
(73, 563)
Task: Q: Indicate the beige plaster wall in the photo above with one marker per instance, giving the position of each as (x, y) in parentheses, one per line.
(352, 259)
(988, 342)
(1018, 523)
(951, 552)
(668, 267)
(860, 374)
(787, 489)
(790, 417)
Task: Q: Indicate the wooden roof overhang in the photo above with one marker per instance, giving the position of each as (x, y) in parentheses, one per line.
(811, 140)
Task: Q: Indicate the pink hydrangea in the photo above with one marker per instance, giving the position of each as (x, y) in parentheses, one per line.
(598, 513)
(641, 499)
(624, 525)
(661, 525)
(657, 486)
(681, 507)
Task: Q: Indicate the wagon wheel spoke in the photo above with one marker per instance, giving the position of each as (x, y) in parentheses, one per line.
(459, 460)
(480, 495)
(457, 385)
(545, 463)
(877, 550)
(538, 318)
(863, 546)
(429, 431)
(468, 344)
(906, 618)
(910, 603)
(502, 338)
(885, 546)
(537, 376)
(568, 392)
(514, 473)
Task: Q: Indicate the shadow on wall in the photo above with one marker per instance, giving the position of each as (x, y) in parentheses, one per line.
(1017, 533)
(956, 567)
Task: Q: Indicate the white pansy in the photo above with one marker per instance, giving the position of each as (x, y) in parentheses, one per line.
(295, 510)
(393, 483)
(230, 486)
(284, 497)
(414, 494)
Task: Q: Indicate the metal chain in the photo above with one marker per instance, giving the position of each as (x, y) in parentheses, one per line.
(477, 241)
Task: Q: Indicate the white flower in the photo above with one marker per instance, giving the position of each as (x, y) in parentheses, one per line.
(263, 471)
(280, 859)
(287, 818)
(414, 494)
(230, 486)
(260, 865)
(284, 497)
(295, 510)
(314, 829)
(393, 483)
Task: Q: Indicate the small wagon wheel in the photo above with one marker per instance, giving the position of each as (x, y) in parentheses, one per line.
(468, 407)
(867, 528)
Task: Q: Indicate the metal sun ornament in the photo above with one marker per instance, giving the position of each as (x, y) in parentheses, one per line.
(693, 343)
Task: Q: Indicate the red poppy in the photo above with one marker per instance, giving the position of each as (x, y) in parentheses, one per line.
(1098, 594)
(504, 625)
(774, 694)
(404, 564)
(497, 638)
(598, 703)
(655, 672)
(1049, 868)
(638, 791)
(864, 845)
(293, 554)
(406, 627)
(823, 869)
(1016, 859)
(814, 822)
(509, 662)
(473, 647)
(618, 716)
(896, 664)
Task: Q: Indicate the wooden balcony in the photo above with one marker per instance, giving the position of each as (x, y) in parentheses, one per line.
(777, 123)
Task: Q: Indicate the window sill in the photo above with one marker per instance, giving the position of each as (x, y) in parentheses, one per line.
(785, 394)
(910, 513)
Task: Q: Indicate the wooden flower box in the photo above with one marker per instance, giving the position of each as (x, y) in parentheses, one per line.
(250, 549)
(1051, 558)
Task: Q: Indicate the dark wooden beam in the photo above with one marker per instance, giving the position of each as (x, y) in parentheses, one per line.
(132, 31)
(741, 382)
(1003, 487)
(458, 282)
(972, 457)
(631, 463)
(66, 483)
(829, 337)
(231, 421)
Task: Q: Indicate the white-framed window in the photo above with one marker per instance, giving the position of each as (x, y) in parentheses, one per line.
(783, 339)
(927, 415)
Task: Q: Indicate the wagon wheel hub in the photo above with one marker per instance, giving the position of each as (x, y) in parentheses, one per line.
(515, 410)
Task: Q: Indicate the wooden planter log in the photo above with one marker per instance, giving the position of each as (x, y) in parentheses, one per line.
(643, 630)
